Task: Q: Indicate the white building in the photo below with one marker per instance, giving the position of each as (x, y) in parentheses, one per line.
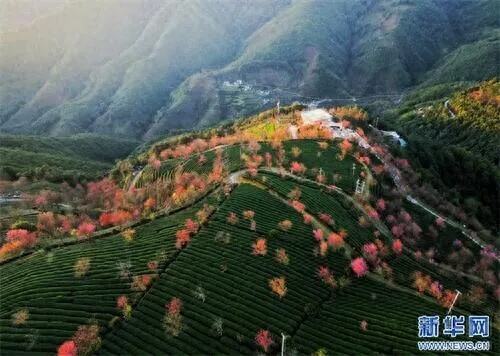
(316, 116)
(293, 131)
(323, 117)
(395, 136)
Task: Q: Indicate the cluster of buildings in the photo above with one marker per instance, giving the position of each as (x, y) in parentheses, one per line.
(323, 117)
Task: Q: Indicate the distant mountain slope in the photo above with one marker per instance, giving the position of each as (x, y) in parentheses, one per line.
(154, 65)
(79, 157)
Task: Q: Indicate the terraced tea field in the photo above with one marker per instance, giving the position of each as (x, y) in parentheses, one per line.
(45, 284)
(318, 200)
(223, 276)
(337, 171)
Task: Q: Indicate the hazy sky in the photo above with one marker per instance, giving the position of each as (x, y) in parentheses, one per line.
(15, 14)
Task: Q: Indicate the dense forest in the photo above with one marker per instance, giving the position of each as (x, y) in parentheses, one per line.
(71, 159)
(453, 144)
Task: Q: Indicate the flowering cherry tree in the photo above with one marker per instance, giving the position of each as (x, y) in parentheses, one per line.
(298, 206)
(335, 240)
(46, 223)
(321, 178)
(154, 162)
(232, 218)
(67, 348)
(264, 339)
(85, 229)
(122, 303)
(359, 267)
(307, 219)
(17, 240)
(260, 247)
(24, 237)
(323, 248)
(248, 214)
(149, 203)
(326, 218)
(318, 234)
(326, 276)
(297, 168)
(114, 218)
(440, 222)
(278, 286)
(87, 339)
(153, 266)
(192, 226)
(397, 246)
(345, 146)
(183, 237)
(282, 256)
(140, 283)
(370, 251)
(381, 205)
(172, 321)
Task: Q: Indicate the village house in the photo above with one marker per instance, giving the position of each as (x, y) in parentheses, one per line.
(324, 118)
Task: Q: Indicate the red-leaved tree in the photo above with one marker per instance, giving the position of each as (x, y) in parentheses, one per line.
(67, 348)
(264, 339)
(359, 267)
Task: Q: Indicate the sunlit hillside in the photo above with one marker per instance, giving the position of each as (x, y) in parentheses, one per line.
(151, 66)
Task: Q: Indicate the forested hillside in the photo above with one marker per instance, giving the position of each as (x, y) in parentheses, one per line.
(154, 65)
(454, 142)
(71, 159)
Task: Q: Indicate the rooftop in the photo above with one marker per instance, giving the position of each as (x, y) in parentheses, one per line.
(316, 115)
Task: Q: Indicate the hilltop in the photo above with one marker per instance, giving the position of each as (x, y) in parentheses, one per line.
(218, 241)
(152, 66)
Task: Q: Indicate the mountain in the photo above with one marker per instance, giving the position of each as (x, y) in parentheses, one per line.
(144, 69)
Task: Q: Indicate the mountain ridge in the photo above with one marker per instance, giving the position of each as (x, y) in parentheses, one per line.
(171, 68)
